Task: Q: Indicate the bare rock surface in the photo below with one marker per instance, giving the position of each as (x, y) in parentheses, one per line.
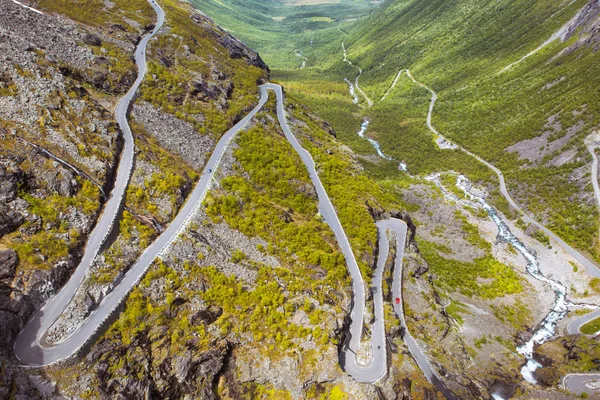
(175, 135)
(8, 264)
(535, 149)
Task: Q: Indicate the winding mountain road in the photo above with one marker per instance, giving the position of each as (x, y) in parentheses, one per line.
(362, 92)
(559, 34)
(582, 383)
(31, 348)
(378, 366)
(585, 383)
(592, 146)
(399, 228)
(577, 383)
(356, 85)
(591, 268)
(574, 326)
(393, 85)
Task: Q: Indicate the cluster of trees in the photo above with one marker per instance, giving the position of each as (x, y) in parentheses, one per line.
(350, 190)
(270, 196)
(485, 277)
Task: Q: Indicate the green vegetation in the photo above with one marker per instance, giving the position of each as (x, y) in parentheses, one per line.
(269, 195)
(261, 25)
(480, 342)
(172, 180)
(458, 49)
(96, 12)
(472, 233)
(591, 327)
(351, 192)
(485, 277)
(55, 240)
(145, 203)
(238, 256)
(455, 310)
(518, 315)
(278, 193)
(207, 88)
(7, 85)
(569, 355)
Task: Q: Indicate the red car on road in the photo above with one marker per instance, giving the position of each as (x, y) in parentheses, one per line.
(397, 300)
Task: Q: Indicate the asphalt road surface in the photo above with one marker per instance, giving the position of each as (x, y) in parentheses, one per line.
(398, 228)
(28, 347)
(31, 349)
(582, 383)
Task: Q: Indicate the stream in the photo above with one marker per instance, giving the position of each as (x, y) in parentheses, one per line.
(374, 143)
(547, 328)
(352, 91)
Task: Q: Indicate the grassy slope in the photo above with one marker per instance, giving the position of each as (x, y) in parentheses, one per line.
(458, 48)
(262, 25)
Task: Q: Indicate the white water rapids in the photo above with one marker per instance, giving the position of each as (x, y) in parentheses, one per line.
(374, 143)
(547, 327)
(352, 91)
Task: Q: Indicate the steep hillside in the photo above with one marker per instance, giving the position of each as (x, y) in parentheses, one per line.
(512, 82)
(289, 33)
(255, 281)
(400, 104)
(529, 118)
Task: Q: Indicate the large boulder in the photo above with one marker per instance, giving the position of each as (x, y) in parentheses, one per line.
(8, 264)
(91, 39)
(10, 221)
(8, 185)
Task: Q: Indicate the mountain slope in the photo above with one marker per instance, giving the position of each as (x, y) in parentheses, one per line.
(530, 120)
(507, 93)
(257, 276)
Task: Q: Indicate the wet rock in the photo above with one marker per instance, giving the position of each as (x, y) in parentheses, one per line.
(523, 336)
(543, 359)
(8, 264)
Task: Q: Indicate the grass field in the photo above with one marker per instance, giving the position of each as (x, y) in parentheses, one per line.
(591, 327)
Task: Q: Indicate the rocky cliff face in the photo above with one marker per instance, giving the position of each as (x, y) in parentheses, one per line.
(62, 70)
(251, 300)
(53, 133)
